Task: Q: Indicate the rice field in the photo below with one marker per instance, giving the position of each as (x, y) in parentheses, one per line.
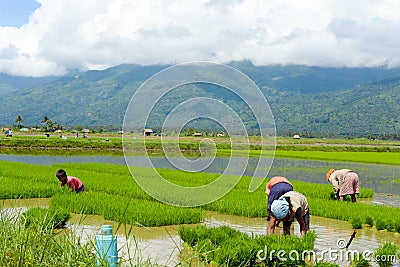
(383, 157)
(111, 192)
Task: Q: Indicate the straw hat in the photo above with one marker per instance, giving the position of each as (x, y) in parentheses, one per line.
(328, 174)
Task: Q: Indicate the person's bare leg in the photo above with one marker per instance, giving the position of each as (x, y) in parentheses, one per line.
(353, 198)
(341, 198)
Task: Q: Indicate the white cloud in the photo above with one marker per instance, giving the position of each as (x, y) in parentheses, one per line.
(72, 34)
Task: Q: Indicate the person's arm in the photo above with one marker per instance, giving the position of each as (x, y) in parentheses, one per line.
(302, 224)
(337, 195)
(271, 226)
(335, 183)
(268, 188)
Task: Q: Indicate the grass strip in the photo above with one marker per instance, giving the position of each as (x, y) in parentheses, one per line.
(127, 210)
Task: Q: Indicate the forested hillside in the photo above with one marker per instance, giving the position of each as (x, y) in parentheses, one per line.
(307, 100)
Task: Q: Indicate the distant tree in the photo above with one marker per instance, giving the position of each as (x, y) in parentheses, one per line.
(188, 132)
(101, 129)
(79, 128)
(45, 119)
(19, 119)
(55, 126)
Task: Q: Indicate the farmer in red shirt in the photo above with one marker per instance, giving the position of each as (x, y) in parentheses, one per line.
(72, 182)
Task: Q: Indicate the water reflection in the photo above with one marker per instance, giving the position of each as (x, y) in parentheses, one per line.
(48, 160)
(162, 250)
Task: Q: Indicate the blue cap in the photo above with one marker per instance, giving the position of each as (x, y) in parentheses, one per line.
(280, 208)
(106, 230)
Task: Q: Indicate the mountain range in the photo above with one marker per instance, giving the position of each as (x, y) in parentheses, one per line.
(311, 101)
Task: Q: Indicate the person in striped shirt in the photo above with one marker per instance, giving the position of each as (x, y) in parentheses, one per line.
(292, 205)
(345, 182)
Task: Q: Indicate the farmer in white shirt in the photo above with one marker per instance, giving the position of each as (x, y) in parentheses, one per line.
(345, 182)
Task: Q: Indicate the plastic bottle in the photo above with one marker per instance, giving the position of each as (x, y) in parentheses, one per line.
(106, 247)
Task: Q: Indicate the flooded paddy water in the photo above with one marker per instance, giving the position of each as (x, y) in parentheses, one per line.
(162, 245)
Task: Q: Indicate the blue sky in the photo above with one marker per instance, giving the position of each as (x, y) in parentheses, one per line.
(92, 35)
(16, 12)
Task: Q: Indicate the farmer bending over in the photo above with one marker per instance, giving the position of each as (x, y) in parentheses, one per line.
(345, 182)
(72, 182)
(288, 207)
(274, 189)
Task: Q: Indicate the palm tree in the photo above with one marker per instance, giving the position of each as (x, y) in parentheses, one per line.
(45, 119)
(48, 122)
(19, 119)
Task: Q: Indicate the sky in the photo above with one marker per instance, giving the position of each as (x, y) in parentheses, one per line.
(50, 37)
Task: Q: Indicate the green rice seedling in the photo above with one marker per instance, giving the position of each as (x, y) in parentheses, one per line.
(390, 225)
(386, 254)
(366, 193)
(21, 180)
(392, 158)
(127, 210)
(115, 181)
(230, 247)
(101, 168)
(206, 250)
(348, 211)
(240, 251)
(44, 218)
(356, 223)
(55, 141)
(39, 181)
(380, 224)
(194, 179)
(358, 260)
(397, 225)
(193, 235)
(369, 220)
